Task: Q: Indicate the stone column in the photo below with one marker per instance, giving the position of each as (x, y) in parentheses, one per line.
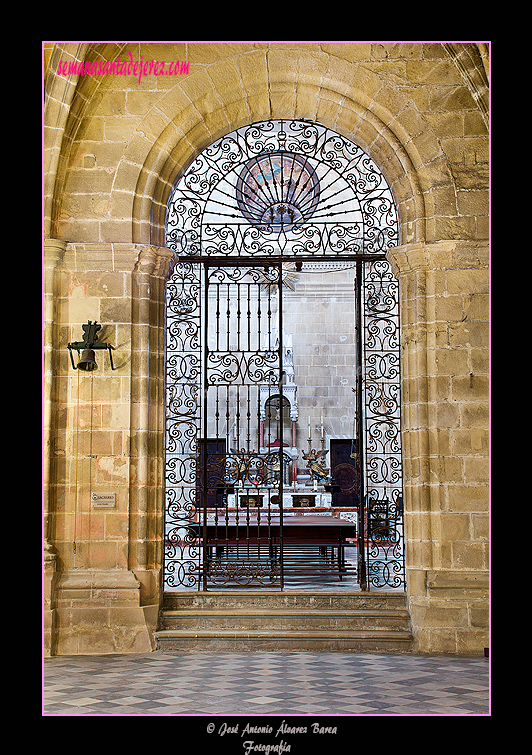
(146, 505)
(53, 254)
(444, 364)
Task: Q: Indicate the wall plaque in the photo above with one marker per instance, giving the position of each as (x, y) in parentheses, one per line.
(103, 500)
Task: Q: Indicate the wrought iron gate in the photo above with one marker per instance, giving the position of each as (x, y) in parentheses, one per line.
(268, 196)
(242, 537)
(225, 496)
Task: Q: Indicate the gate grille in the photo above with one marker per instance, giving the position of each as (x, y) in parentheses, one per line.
(264, 198)
(242, 355)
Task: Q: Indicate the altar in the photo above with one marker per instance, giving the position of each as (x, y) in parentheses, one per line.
(311, 545)
(260, 498)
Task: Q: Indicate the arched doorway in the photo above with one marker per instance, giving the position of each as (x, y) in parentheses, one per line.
(282, 287)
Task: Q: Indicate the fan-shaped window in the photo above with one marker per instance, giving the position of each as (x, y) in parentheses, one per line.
(282, 187)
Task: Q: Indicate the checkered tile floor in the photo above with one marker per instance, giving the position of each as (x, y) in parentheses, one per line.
(265, 684)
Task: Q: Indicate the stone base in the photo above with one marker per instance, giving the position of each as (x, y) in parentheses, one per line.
(49, 580)
(100, 612)
(450, 612)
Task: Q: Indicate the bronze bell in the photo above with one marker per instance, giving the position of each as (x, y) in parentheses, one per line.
(87, 361)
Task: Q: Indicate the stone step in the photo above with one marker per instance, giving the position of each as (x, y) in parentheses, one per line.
(271, 620)
(225, 600)
(285, 619)
(380, 641)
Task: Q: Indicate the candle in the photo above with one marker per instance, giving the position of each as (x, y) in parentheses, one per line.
(321, 419)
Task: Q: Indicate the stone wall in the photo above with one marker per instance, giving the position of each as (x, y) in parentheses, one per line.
(320, 315)
(445, 374)
(113, 148)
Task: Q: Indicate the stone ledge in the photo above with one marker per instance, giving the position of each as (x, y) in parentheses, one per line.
(98, 588)
(110, 256)
(448, 580)
(440, 255)
(111, 579)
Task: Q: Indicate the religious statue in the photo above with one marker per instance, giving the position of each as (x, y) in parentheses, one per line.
(315, 460)
(243, 464)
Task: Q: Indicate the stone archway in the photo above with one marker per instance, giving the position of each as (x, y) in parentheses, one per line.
(442, 264)
(195, 115)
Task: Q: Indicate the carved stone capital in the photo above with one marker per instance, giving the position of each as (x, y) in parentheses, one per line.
(54, 250)
(420, 257)
(154, 261)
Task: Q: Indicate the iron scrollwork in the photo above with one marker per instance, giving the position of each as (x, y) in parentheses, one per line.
(272, 191)
(289, 187)
(385, 541)
(382, 406)
(183, 412)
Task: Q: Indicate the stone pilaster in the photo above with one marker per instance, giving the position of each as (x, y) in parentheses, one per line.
(146, 504)
(53, 252)
(107, 593)
(444, 341)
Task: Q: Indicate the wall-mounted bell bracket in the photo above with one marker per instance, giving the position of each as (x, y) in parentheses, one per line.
(87, 347)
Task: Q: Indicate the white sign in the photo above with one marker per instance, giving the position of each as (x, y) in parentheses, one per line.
(103, 500)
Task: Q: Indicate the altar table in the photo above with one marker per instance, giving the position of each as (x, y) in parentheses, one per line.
(298, 533)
